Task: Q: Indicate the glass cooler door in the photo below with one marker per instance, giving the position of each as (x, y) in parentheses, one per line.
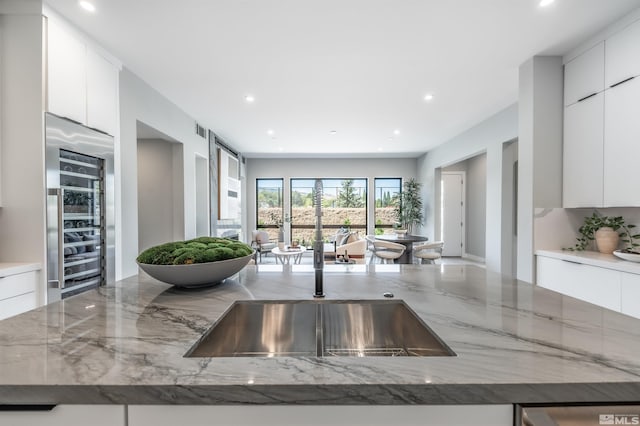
(82, 197)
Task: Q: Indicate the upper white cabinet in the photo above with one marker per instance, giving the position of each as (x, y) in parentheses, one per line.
(623, 55)
(583, 147)
(601, 123)
(66, 73)
(102, 93)
(81, 83)
(622, 144)
(584, 75)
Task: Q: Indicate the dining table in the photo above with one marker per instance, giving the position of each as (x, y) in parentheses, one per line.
(405, 239)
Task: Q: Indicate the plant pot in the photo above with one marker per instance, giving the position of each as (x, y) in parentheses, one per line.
(607, 240)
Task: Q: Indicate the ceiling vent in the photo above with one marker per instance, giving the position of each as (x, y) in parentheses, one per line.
(201, 131)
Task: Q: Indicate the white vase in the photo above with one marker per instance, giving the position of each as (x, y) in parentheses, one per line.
(607, 240)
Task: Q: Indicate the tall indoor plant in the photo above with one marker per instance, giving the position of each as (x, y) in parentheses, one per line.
(408, 206)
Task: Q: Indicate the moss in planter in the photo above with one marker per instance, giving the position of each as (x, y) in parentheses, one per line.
(198, 250)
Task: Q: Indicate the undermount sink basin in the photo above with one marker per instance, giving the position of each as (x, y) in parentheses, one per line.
(319, 328)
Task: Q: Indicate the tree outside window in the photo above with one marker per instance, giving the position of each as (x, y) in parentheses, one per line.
(344, 204)
(269, 206)
(387, 192)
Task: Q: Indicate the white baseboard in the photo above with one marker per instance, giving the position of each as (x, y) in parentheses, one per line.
(473, 257)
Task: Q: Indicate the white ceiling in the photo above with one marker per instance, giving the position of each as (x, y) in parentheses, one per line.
(359, 67)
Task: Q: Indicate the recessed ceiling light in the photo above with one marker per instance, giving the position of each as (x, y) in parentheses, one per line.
(379, 148)
(280, 148)
(428, 96)
(88, 6)
(270, 132)
(544, 3)
(396, 132)
(333, 132)
(249, 98)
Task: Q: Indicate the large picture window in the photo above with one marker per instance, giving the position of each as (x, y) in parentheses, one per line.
(269, 205)
(387, 191)
(344, 205)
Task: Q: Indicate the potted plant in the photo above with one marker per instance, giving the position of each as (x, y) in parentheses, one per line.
(197, 262)
(408, 205)
(607, 231)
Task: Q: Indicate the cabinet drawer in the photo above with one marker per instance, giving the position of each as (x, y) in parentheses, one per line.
(15, 285)
(67, 415)
(17, 305)
(592, 284)
(630, 294)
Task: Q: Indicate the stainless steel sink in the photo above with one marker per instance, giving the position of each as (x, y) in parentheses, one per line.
(319, 328)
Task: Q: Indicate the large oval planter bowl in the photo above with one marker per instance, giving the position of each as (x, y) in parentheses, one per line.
(196, 274)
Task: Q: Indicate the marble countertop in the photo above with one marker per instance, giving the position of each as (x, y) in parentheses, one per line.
(593, 258)
(515, 343)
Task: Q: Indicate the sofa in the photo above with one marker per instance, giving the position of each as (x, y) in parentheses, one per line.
(346, 242)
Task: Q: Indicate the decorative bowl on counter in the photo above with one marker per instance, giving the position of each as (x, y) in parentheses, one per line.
(204, 261)
(627, 256)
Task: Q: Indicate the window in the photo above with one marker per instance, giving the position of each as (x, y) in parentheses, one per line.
(387, 191)
(269, 206)
(344, 205)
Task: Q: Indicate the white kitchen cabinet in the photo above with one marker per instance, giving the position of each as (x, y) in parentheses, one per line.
(630, 288)
(459, 415)
(593, 284)
(81, 83)
(18, 293)
(622, 55)
(102, 93)
(584, 75)
(621, 144)
(67, 415)
(66, 73)
(582, 153)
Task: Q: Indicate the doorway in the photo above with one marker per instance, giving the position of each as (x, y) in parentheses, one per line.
(509, 224)
(160, 188)
(452, 194)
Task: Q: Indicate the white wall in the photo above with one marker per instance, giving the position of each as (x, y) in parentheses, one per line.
(22, 216)
(160, 192)
(488, 137)
(509, 208)
(139, 101)
(476, 206)
(326, 168)
(539, 150)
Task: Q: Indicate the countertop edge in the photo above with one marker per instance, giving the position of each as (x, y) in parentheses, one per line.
(354, 394)
(593, 258)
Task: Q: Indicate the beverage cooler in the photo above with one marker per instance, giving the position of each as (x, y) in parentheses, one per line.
(80, 210)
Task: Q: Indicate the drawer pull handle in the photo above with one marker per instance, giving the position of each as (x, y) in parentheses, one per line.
(572, 261)
(621, 82)
(587, 97)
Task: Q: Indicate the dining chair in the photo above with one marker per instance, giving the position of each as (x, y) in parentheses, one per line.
(387, 251)
(370, 247)
(428, 252)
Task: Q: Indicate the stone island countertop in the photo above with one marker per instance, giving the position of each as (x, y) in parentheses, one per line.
(515, 343)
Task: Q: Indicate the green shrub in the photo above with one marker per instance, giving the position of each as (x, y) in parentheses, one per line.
(198, 250)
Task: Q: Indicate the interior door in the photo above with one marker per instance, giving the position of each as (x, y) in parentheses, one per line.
(452, 214)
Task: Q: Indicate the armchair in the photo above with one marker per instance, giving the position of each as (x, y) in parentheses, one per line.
(261, 243)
